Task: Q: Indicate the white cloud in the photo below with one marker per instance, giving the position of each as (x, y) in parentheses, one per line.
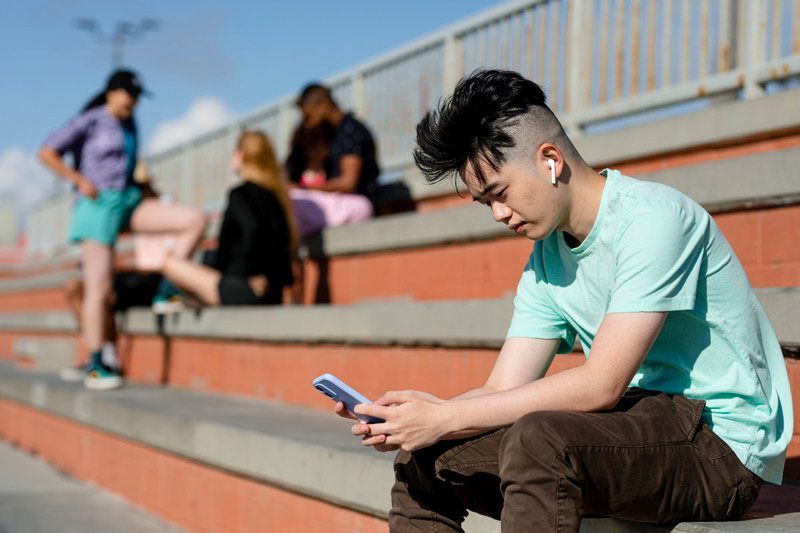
(203, 115)
(23, 177)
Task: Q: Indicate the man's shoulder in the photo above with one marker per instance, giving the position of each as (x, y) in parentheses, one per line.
(637, 198)
(351, 126)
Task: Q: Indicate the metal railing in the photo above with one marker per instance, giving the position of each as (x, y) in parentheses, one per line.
(596, 59)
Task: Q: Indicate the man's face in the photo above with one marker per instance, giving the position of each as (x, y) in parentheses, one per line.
(314, 112)
(520, 196)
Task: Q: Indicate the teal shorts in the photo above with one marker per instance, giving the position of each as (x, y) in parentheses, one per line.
(102, 219)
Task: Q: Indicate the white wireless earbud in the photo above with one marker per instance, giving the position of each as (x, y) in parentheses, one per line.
(552, 165)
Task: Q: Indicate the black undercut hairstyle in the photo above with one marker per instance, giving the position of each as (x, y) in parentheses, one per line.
(475, 124)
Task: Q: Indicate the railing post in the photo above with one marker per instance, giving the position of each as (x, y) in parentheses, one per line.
(451, 71)
(751, 28)
(577, 40)
(359, 95)
(285, 129)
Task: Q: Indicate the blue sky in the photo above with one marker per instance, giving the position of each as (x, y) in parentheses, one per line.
(219, 58)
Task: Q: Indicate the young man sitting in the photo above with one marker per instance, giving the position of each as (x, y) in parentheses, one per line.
(682, 407)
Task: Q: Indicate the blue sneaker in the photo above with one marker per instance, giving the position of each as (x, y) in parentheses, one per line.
(168, 299)
(100, 376)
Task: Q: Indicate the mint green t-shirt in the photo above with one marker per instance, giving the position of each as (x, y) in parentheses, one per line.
(654, 249)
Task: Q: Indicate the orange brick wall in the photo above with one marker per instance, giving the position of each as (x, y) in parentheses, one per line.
(767, 241)
(38, 300)
(180, 491)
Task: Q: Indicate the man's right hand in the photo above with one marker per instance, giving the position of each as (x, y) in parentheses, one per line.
(362, 430)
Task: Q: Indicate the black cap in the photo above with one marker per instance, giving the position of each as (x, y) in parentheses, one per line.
(127, 80)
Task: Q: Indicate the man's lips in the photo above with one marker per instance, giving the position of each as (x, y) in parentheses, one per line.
(517, 228)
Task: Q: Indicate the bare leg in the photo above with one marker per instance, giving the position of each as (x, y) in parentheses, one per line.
(97, 272)
(199, 280)
(74, 294)
(187, 223)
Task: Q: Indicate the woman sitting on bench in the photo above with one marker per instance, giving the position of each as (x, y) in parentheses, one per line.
(257, 239)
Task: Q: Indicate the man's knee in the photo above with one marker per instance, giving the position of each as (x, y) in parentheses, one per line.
(539, 435)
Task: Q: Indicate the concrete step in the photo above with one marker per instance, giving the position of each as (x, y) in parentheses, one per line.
(46, 353)
(37, 498)
(272, 353)
(306, 459)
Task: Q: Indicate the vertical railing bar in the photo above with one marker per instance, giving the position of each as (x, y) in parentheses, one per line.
(561, 67)
(725, 31)
(777, 27)
(795, 28)
(619, 53)
(493, 38)
(536, 49)
(633, 38)
(705, 40)
(547, 78)
(555, 53)
(529, 31)
(688, 25)
(517, 65)
(666, 47)
(587, 28)
(751, 22)
(505, 44)
(450, 73)
(604, 52)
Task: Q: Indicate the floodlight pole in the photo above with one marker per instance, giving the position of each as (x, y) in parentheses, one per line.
(124, 32)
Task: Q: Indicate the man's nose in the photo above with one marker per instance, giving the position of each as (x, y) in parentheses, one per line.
(500, 211)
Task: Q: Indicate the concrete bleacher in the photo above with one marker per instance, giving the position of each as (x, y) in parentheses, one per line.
(263, 446)
(219, 428)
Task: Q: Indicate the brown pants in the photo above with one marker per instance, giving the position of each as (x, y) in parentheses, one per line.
(650, 459)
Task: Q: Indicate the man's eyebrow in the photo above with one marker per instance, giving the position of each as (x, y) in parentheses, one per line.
(486, 189)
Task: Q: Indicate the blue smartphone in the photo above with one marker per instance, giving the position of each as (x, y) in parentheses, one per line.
(339, 391)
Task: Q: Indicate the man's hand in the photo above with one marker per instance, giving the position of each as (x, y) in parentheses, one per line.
(361, 429)
(413, 420)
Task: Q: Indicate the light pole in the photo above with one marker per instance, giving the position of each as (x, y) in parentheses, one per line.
(124, 31)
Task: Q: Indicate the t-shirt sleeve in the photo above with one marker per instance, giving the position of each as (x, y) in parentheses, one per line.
(355, 139)
(535, 316)
(659, 252)
(70, 136)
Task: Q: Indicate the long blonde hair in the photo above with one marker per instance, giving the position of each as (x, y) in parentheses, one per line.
(260, 166)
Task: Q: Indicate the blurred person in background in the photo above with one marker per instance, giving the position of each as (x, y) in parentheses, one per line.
(257, 239)
(103, 142)
(332, 164)
(130, 288)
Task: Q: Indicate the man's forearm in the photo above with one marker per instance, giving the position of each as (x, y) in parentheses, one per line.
(474, 393)
(576, 389)
(338, 184)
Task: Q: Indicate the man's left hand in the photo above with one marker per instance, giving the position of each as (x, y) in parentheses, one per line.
(413, 420)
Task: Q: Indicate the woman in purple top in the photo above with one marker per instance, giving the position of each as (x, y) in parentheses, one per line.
(103, 142)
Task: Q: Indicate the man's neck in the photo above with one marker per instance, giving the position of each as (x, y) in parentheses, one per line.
(586, 192)
(336, 116)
